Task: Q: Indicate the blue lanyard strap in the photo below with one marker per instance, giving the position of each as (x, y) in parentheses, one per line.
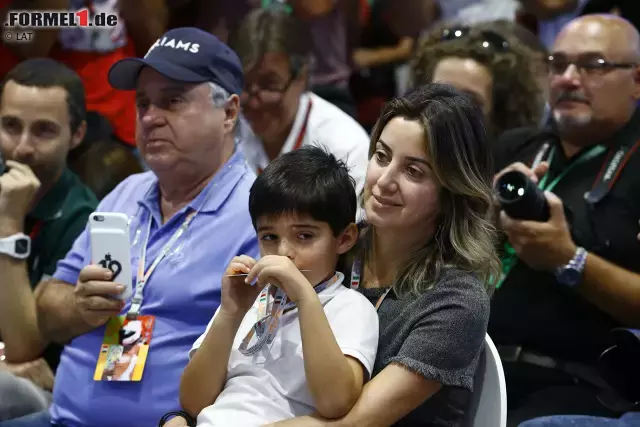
(270, 309)
(143, 277)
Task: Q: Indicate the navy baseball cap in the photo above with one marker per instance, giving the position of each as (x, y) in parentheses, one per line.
(187, 55)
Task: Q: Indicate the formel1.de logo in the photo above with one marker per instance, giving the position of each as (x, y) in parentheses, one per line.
(19, 25)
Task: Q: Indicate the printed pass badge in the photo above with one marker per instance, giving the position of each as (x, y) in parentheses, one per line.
(124, 350)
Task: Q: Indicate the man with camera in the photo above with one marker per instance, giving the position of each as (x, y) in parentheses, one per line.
(43, 208)
(571, 276)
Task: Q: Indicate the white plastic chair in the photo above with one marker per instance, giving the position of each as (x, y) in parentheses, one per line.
(488, 406)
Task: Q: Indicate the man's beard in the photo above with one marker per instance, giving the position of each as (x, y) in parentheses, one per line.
(571, 123)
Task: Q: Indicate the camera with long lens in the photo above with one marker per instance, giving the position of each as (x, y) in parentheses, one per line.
(520, 198)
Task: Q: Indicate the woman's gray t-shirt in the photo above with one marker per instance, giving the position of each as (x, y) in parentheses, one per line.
(438, 335)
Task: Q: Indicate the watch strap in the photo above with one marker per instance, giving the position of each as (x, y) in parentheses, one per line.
(8, 246)
(580, 259)
(576, 263)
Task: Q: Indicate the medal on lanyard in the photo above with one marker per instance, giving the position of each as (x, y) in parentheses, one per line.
(270, 310)
(356, 272)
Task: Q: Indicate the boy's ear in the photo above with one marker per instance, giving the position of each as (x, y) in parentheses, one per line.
(347, 239)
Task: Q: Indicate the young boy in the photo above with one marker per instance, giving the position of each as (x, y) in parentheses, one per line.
(317, 347)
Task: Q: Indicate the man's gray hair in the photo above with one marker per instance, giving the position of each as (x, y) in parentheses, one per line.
(219, 95)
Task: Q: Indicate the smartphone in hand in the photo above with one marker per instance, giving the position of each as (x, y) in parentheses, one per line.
(111, 248)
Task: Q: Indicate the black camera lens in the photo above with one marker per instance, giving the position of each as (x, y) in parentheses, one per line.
(520, 198)
(98, 218)
(512, 188)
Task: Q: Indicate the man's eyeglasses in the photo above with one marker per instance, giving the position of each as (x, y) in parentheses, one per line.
(486, 38)
(586, 65)
(268, 95)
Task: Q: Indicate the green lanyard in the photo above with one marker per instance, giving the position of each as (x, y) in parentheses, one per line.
(264, 4)
(510, 258)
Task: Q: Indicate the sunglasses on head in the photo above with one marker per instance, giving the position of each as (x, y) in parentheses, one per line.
(486, 38)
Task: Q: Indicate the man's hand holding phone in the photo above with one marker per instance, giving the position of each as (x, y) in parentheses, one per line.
(96, 295)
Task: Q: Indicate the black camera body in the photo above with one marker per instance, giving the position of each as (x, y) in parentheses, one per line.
(521, 198)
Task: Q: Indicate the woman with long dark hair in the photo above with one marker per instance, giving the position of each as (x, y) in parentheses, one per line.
(425, 259)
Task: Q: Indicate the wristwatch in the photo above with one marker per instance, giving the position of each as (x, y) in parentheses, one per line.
(570, 274)
(16, 246)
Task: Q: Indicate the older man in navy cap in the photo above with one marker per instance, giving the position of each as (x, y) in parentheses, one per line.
(188, 218)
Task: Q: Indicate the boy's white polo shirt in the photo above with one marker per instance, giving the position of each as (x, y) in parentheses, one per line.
(271, 385)
(319, 123)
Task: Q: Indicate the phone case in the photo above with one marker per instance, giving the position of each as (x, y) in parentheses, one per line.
(111, 248)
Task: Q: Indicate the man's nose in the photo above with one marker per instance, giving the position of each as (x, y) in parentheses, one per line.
(153, 116)
(25, 147)
(570, 76)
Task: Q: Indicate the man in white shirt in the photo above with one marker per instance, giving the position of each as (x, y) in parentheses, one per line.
(274, 50)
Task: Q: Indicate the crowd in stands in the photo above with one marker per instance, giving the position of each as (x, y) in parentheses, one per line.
(318, 199)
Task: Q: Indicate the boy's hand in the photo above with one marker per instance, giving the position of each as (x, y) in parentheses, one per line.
(238, 296)
(282, 272)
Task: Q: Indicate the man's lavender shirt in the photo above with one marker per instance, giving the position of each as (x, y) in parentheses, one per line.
(183, 293)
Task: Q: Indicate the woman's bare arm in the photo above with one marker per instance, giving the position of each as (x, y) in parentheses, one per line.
(388, 397)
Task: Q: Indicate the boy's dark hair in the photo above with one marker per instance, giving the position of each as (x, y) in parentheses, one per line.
(307, 181)
(47, 73)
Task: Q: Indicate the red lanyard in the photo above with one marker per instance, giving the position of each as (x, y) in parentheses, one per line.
(610, 171)
(356, 272)
(303, 129)
(35, 230)
(302, 133)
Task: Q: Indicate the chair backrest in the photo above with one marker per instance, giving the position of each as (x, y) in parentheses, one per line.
(488, 407)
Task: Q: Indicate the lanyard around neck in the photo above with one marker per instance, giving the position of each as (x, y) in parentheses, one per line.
(142, 276)
(592, 153)
(356, 274)
(302, 134)
(270, 309)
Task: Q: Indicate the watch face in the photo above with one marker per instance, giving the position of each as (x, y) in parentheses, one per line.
(569, 276)
(22, 246)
